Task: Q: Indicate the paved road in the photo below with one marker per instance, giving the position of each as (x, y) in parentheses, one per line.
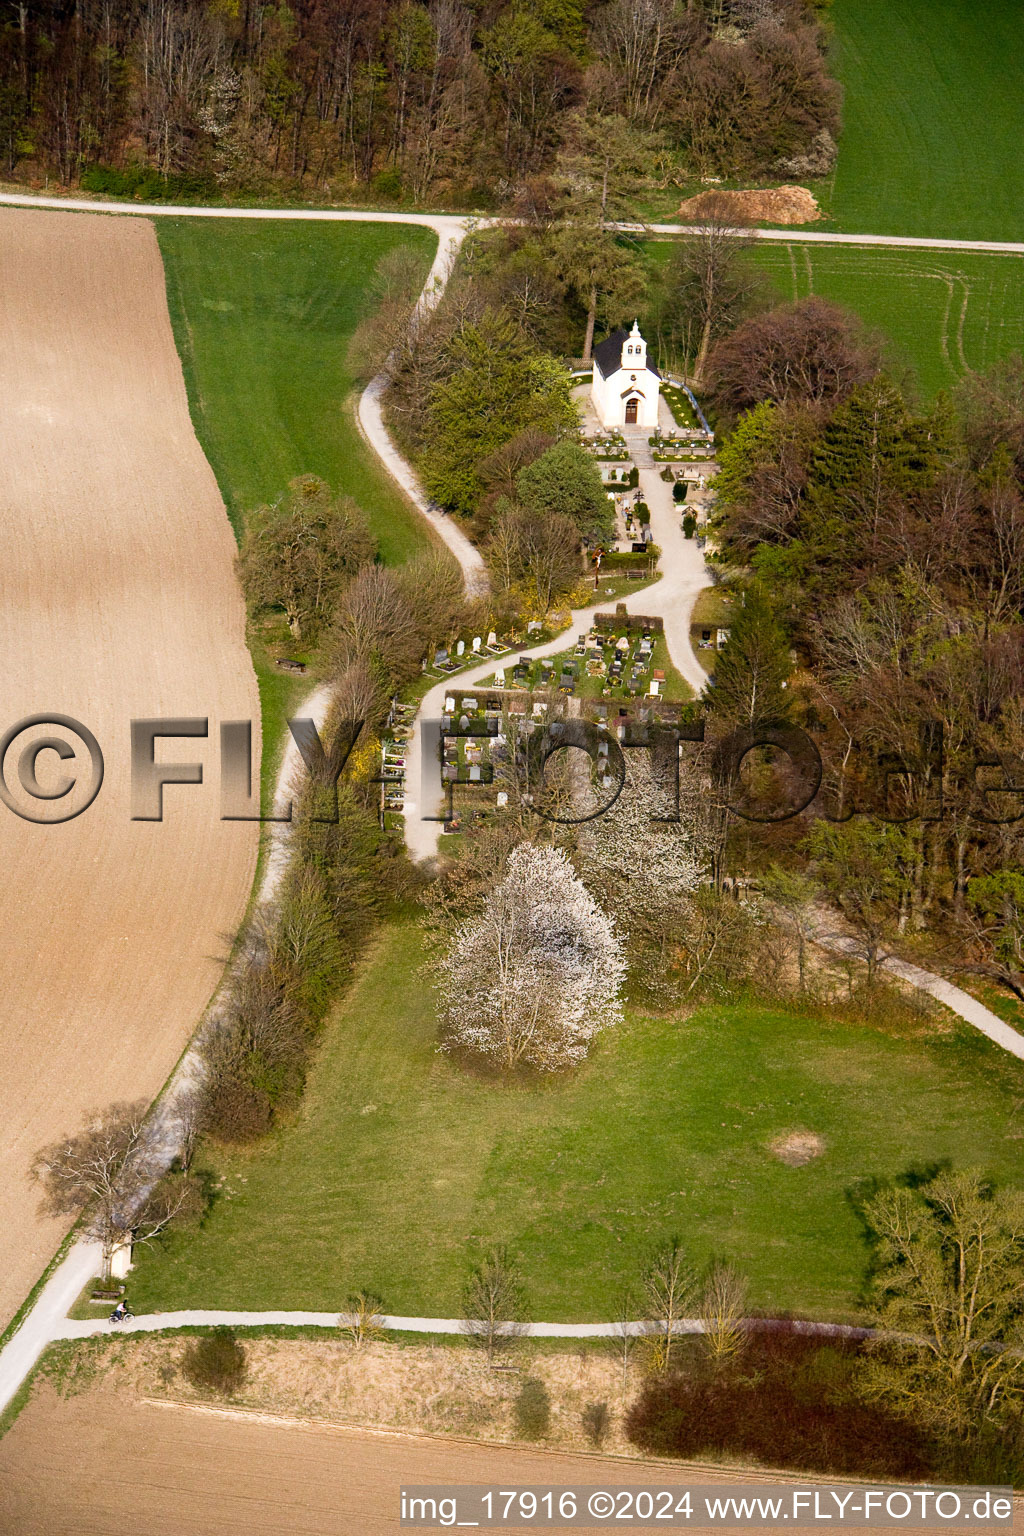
(50, 1308)
(832, 237)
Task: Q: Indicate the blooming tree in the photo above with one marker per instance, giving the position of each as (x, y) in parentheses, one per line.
(634, 856)
(537, 973)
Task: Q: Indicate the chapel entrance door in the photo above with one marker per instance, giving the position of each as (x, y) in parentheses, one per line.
(631, 410)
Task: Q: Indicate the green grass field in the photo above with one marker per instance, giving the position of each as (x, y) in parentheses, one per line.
(944, 313)
(933, 118)
(401, 1167)
(263, 314)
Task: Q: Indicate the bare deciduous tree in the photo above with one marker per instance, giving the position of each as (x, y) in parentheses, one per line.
(791, 893)
(668, 1290)
(710, 286)
(493, 1303)
(541, 553)
(723, 1298)
(113, 1174)
(811, 352)
(949, 1295)
(862, 869)
(625, 1337)
(362, 1322)
(376, 625)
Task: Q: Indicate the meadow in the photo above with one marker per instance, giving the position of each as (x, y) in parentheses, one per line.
(943, 313)
(402, 1167)
(933, 118)
(263, 314)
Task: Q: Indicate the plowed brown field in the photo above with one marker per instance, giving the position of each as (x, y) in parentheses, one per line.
(98, 1465)
(117, 600)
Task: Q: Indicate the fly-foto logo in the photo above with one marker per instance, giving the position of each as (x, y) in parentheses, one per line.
(52, 767)
(52, 770)
(989, 788)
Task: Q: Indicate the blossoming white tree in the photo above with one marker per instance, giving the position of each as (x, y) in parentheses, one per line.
(533, 977)
(631, 856)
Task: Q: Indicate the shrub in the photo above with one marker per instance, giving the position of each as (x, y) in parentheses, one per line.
(235, 1110)
(388, 184)
(642, 512)
(689, 525)
(216, 1362)
(596, 1423)
(533, 1410)
(145, 184)
(679, 491)
(789, 1403)
(634, 478)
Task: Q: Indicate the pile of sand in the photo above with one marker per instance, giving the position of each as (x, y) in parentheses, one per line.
(771, 205)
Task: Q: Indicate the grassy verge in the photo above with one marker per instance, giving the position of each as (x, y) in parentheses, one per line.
(19, 1401)
(401, 1167)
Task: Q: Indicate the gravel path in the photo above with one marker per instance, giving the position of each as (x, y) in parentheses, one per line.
(157, 1322)
(955, 998)
(434, 221)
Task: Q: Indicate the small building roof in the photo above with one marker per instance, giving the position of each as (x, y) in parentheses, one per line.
(608, 354)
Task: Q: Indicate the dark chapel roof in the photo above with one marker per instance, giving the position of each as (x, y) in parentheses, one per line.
(608, 354)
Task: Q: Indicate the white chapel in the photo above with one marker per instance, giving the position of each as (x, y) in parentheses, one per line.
(625, 388)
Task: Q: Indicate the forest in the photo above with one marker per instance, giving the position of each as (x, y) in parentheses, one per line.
(463, 104)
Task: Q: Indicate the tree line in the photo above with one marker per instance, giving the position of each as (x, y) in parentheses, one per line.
(430, 99)
(878, 548)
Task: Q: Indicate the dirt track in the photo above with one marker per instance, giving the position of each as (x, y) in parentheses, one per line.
(117, 600)
(96, 1466)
